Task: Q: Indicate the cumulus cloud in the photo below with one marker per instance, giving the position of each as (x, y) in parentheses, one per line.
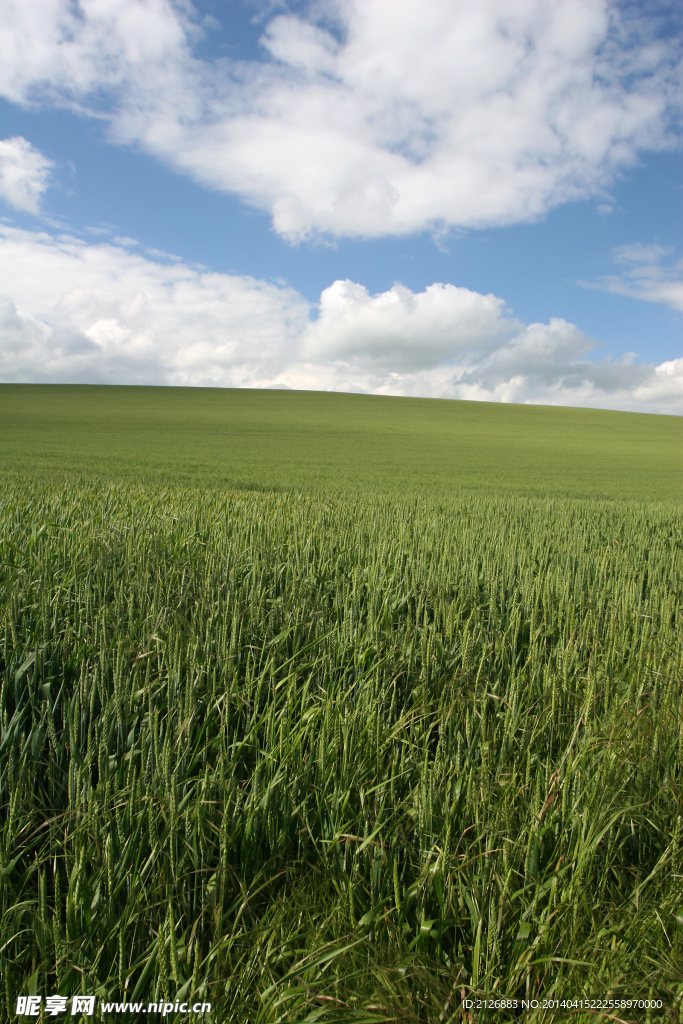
(647, 272)
(399, 330)
(367, 117)
(24, 174)
(449, 342)
(99, 312)
(70, 53)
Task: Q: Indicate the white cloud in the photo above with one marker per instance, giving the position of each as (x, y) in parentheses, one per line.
(24, 174)
(399, 330)
(367, 117)
(78, 312)
(66, 52)
(648, 273)
(73, 311)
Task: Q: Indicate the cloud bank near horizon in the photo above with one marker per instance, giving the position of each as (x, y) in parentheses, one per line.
(372, 118)
(71, 311)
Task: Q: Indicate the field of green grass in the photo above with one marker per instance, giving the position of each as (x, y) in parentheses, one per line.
(334, 708)
(331, 443)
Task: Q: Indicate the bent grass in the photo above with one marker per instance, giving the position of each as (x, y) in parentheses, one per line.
(324, 761)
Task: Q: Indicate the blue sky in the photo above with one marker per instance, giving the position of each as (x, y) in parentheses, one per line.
(399, 198)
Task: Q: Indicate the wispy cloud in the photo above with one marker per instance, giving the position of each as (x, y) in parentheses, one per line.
(367, 119)
(24, 174)
(75, 311)
(648, 272)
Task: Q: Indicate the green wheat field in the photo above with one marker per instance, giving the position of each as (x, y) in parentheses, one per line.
(331, 707)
